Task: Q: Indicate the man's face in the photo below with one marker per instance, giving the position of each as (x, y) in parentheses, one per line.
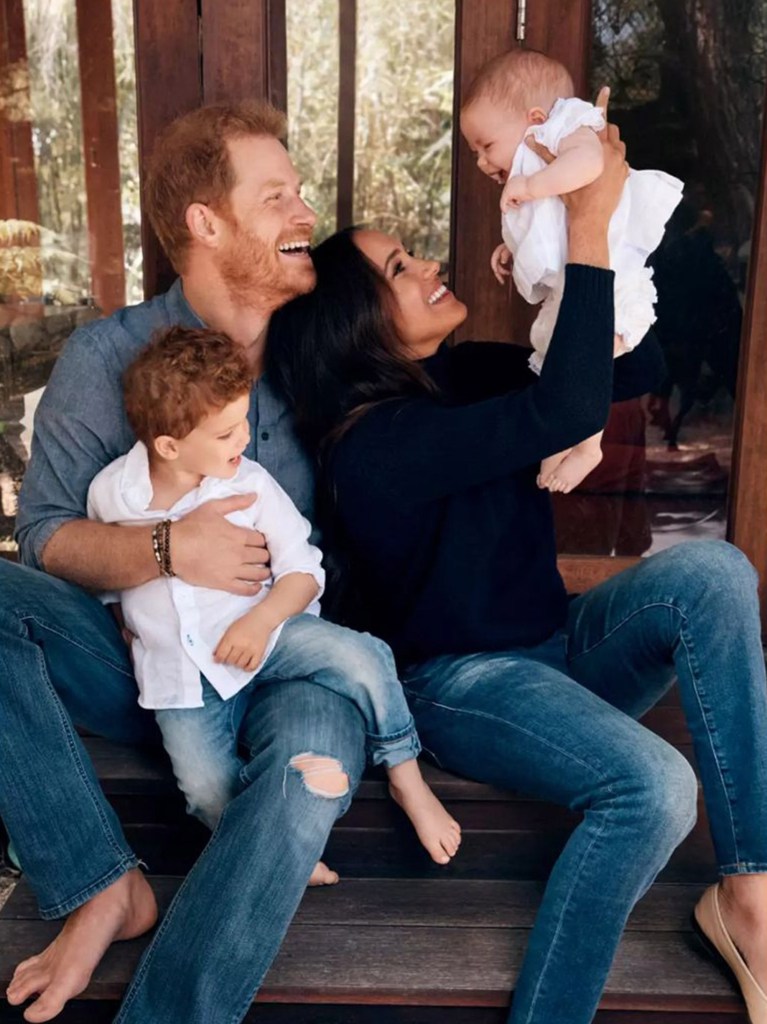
(264, 256)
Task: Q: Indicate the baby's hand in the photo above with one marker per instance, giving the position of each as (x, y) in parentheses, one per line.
(499, 263)
(244, 643)
(515, 192)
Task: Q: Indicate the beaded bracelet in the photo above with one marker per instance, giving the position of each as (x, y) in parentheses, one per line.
(161, 547)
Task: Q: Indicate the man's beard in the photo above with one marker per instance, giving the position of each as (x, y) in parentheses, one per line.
(255, 275)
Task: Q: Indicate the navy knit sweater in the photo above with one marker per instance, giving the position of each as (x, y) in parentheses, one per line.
(450, 540)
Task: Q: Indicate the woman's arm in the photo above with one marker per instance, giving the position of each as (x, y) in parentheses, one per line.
(419, 450)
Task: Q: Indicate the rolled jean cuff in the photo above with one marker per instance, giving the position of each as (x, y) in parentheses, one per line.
(743, 867)
(393, 749)
(66, 906)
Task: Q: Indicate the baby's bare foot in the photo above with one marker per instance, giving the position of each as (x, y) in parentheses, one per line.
(62, 971)
(439, 833)
(549, 467)
(573, 469)
(322, 875)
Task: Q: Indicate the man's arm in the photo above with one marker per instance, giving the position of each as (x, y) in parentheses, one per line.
(80, 427)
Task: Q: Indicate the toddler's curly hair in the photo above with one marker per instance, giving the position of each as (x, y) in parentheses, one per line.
(183, 375)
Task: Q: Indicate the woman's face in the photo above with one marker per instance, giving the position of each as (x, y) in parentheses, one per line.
(425, 311)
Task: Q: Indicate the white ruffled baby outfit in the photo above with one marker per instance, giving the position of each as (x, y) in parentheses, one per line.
(536, 234)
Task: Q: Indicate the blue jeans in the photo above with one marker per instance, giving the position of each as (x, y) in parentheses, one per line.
(557, 721)
(202, 743)
(62, 659)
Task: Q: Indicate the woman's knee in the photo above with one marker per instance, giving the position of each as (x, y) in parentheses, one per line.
(667, 798)
(712, 568)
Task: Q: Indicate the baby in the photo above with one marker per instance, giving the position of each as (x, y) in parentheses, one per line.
(524, 94)
(198, 653)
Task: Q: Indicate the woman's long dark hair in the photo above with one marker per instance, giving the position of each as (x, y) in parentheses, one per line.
(334, 353)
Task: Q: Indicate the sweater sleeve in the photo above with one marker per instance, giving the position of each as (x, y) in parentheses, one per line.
(419, 450)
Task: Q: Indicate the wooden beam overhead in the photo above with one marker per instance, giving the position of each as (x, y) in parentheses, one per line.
(98, 93)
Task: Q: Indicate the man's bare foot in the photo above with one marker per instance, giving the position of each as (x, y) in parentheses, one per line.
(62, 971)
(322, 875)
(439, 833)
(743, 905)
(573, 469)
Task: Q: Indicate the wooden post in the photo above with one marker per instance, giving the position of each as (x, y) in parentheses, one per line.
(347, 89)
(18, 182)
(100, 148)
(168, 83)
(244, 51)
(482, 31)
(747, 521)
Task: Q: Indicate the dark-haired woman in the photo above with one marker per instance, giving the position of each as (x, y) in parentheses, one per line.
(429, 457)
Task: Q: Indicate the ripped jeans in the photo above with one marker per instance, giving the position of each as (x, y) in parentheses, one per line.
(63, 660)
(203, 743)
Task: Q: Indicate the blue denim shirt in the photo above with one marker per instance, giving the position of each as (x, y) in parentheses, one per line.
(81, 426)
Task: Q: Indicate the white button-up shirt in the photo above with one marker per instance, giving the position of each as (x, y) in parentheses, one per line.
(178, 626)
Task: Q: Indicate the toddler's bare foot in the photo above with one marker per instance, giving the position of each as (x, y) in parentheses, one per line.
(549, 466)
(62, 971)
(439, 833)
(573, 469)
(322, 875)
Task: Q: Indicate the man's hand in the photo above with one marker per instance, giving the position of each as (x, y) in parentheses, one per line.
(500, 263)
(244, 643)
(209, 551)
(515, 192)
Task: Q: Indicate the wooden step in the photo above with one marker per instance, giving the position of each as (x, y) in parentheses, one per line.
(428, 944)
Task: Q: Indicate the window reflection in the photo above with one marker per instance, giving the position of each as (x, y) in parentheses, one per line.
(688, 85)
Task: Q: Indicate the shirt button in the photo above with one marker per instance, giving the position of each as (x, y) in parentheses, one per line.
(264, 435)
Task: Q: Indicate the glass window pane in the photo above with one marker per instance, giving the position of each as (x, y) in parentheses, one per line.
(688, 86)
(47, 273)
(403, 114)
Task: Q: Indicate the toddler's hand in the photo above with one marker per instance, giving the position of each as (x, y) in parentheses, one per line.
(515, 192)
(243, 644)
(500, 263)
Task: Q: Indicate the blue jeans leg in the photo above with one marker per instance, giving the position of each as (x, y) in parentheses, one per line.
(517, 720)
(229, 917)
(354, 665)
(692, 610)
(62, 659)
(203, 747)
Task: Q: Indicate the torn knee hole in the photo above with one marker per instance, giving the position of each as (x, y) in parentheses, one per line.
(323, 776)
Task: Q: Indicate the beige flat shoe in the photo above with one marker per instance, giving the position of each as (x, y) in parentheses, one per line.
(708, 918)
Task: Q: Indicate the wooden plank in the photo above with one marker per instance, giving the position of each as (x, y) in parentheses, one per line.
(748, 494)
(377, 852)
(168, 83)
(482, 31)
(582, 572)
(564, 33)
(347, 102)
(18, 181)
(408, 903)
(98, 97)
(424, 966)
